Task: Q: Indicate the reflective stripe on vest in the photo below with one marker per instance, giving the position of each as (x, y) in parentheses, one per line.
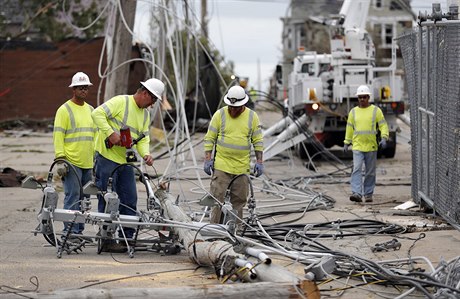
(74, 128)
(373, 130)
(125, 118)
(222, 143)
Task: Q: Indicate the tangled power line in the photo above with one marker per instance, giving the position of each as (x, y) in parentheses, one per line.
(289, 199)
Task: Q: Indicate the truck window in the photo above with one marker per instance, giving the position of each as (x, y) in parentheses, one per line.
(279, 74)
(323, 67)
(308, 68)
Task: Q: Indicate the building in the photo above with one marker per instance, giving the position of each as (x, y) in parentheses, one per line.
(35, 75)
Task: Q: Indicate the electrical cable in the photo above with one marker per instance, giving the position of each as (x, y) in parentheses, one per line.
(11, 290)
(320, 149)
(50, 237)
(384, 273)
(285, 228)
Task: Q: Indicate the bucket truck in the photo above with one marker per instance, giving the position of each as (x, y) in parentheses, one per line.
(321, 88)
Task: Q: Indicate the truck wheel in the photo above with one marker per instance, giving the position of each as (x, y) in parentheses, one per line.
(301, 150)
(390, 151)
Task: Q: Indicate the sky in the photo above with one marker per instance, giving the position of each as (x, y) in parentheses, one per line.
(244, 31)
(248, 32)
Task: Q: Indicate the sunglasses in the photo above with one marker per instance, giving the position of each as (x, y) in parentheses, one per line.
(363, 97)
(83, 87)
(154, 97)
(234, 100)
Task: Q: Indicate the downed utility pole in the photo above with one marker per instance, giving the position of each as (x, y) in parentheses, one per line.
(220, 253)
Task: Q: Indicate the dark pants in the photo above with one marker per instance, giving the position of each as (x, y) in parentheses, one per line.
(238, 193)
(123, 183)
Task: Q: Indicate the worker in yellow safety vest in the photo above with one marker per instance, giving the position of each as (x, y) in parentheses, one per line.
(232, 131)
(115, 116)
(73, 138)
(252, 94)
(362, 125)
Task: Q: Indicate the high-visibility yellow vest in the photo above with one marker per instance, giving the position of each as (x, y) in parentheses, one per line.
(362, 128)
(73, 134)
(232, 138)
(117, 112)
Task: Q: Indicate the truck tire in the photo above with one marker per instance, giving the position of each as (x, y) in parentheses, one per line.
(301, 150)
(390, 151)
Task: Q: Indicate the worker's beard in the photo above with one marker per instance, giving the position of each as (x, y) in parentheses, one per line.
(235, 111)
(80, 98)
(363, 103)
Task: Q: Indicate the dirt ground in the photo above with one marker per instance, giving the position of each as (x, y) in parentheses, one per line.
(29, 265)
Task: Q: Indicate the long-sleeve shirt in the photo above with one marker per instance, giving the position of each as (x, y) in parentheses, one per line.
(73, 134)
(233, 138)
(117, 112)
(362, 125)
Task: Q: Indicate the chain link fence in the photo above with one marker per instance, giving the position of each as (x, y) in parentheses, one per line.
(431, 55)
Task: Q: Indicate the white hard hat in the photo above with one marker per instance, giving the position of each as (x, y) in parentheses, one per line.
(155, 86)
(79, 79)
(236, 96)
(363, 90)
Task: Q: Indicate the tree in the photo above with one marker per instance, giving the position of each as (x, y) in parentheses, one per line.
(45, 19)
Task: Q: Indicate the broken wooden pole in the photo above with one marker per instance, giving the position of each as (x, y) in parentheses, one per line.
(218, 253)
(202, 252)
(241, 290)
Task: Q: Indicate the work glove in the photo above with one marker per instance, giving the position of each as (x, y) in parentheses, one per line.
(383, 143)
(62, 169)
(208, 166)
(345, 148)
(258, 169)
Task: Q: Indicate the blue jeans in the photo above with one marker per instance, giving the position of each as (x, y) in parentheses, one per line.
(369, 159)
(73, 197)
(123, 183)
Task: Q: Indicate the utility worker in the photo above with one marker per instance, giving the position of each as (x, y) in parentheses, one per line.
(123, 111)
(252, 94)
(73, 138)
(362, 125)
(232, 131)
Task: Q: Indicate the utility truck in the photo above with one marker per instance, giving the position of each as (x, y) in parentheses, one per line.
(321, 88)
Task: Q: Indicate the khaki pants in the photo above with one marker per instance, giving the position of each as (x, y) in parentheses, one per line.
(238, 192)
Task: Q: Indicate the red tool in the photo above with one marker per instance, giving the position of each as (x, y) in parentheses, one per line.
(126, 142)
(125, 136)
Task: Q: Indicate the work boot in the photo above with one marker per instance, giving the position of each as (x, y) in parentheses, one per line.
(368, 198)
(114, 247)
(355, 197)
